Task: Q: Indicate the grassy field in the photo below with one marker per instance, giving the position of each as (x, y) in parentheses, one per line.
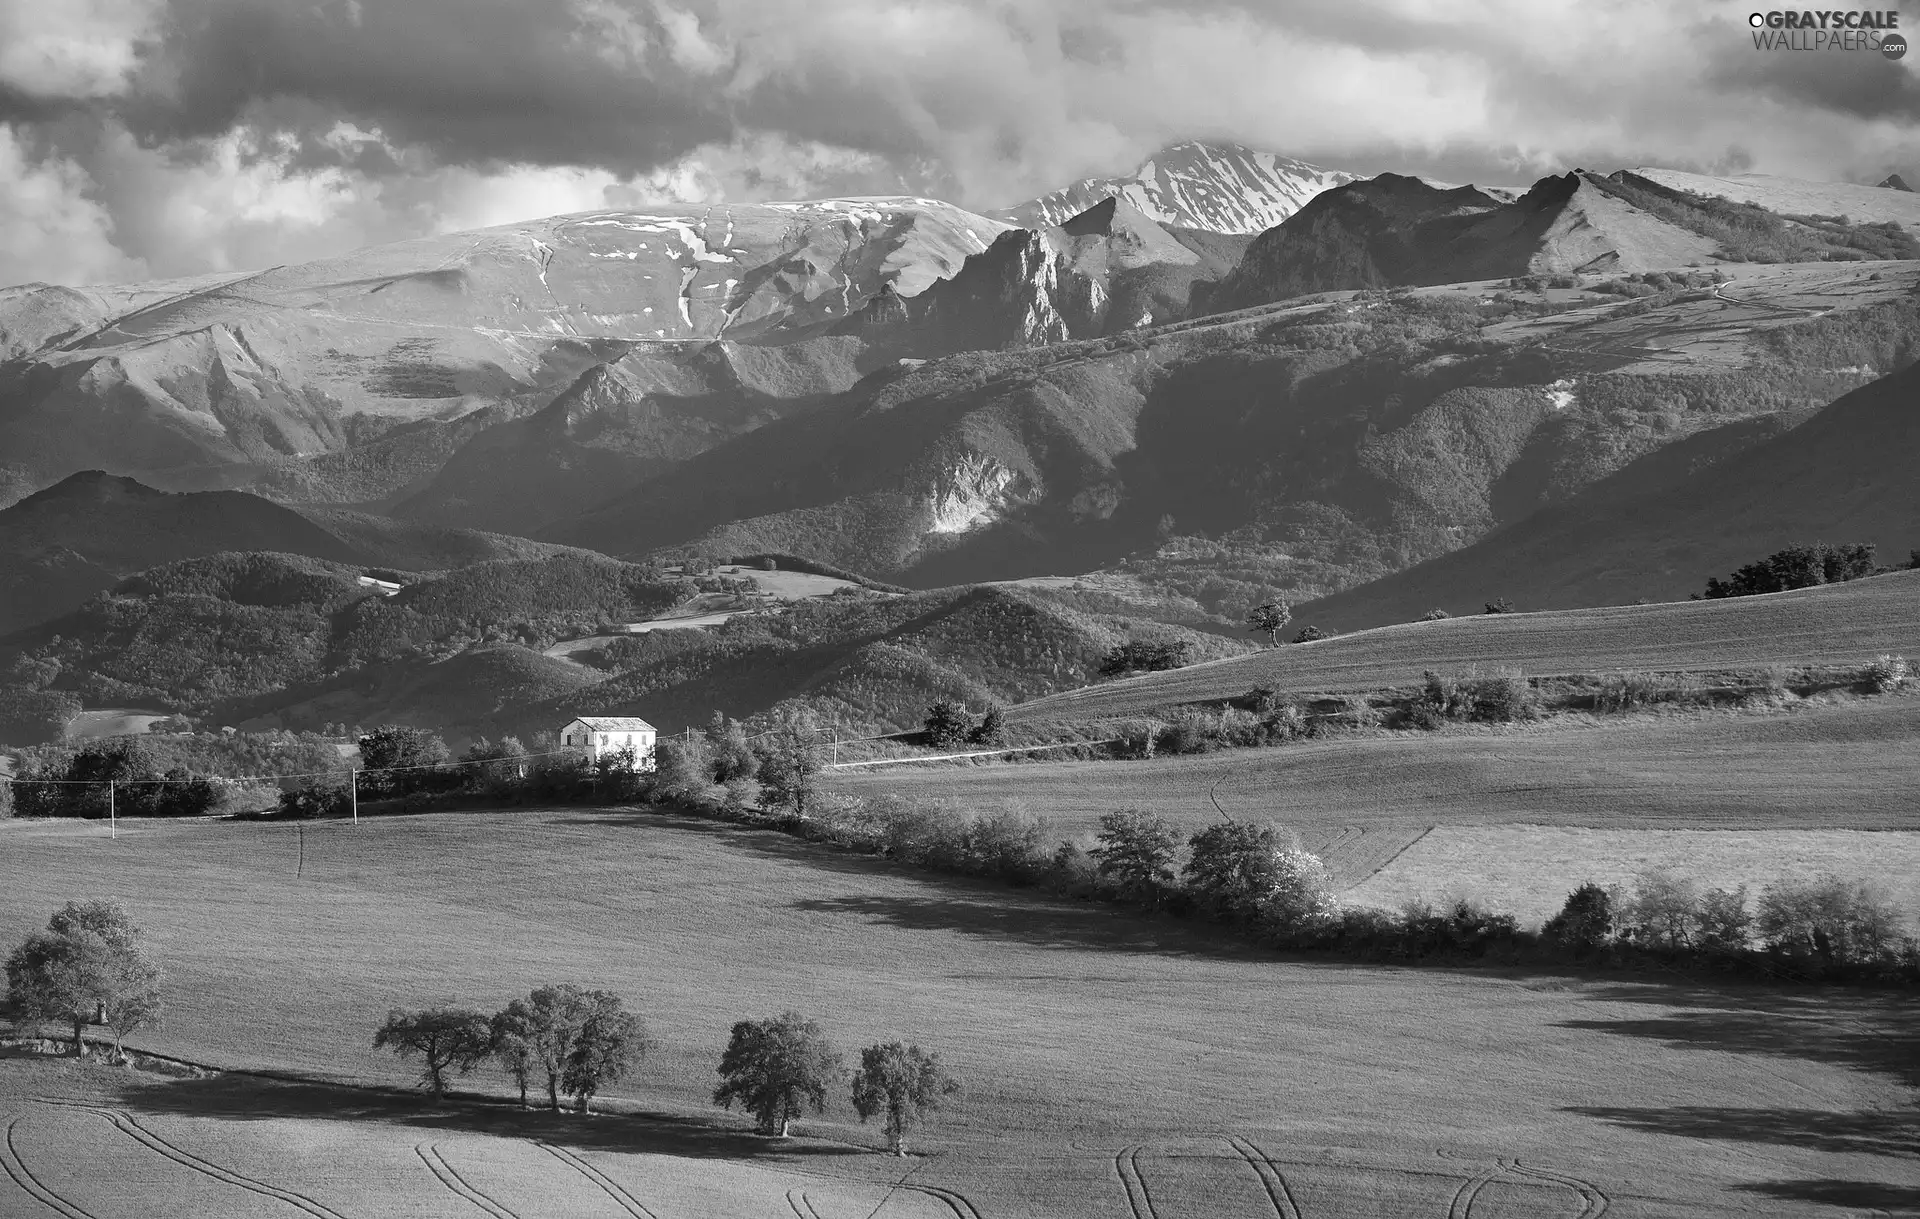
(1112, 1066)
(1528, 869)
(1853, 765)
(1831, 625)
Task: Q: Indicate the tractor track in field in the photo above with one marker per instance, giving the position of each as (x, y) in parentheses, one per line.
(955, 1202)
(1127, 1163)
(612, 1188)
(801, 1205)
(1461, 1207)
(1270, 1176)
(1594, 1199)
(21, 1175)
(132, 1127)
(436, 1162)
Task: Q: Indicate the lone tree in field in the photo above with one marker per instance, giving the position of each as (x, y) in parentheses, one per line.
(903, 1082)
(777, 1069)
(446, 1038)
(1136, 853)
(1270, 619)
(611, 1042)
(86, 967)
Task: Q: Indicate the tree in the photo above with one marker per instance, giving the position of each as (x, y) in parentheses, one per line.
(947, 723)
(730, 752)
(88, 966)
(1585, 923)
(1231, 868)
(1145, 655)
(683, 767)
(991, 730)
(555, 1017)
(611, 1041)
(1499, 605)
(1310, 633)
(1301, 891)
(511, 1036)
(790, 763)
(400, 759)
(1436, 614)
(903, 1082)
(1270, 618)
(446, 1038)
(777, 1069)
(1136, 852)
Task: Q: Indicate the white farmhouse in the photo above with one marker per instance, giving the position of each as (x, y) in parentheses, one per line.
(605, 735)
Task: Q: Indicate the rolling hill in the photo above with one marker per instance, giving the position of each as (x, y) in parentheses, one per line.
(84, 535)
(1846, 474)
(1316, 446)
(264, 377)
(1839, 624)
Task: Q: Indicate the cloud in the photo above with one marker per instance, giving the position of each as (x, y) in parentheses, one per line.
(219, 133)
(49, 229)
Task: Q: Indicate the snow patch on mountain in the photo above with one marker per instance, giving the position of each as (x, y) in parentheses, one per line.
(1223, 188)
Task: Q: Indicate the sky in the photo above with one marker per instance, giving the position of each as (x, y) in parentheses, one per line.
(144, 139)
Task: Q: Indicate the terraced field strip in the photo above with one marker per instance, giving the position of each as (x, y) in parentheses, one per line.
(22, 1176)
(131, 1126)
(613, 1189)
(1837, 624)
(435, 1161)
(1270, 1177)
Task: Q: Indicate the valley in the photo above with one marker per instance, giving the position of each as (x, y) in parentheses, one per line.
(330, 592)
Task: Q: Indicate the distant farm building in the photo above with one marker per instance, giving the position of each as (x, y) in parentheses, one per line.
(605, 736)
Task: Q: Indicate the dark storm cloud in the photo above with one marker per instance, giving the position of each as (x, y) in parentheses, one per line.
(171, 136)
(471, 80)
(1863, 83)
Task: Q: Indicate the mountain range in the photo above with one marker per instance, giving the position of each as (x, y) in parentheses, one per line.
(1226, 378)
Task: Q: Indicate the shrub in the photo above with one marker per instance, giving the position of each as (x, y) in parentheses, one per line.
(1287, 723)
(1261, 700)
(1503, 696)
(1311, 633)
(1436, 614)
(1499, 605)
(1231, 869)
(947, 724)
(1006, 845)
(991, 730)
(1841, 922)
(1585, 924)
(1722, 923)
(1191, 731)
(1145, 655)
(931, 834)
(1664, 910)
(1885, 674)
(1136, 854)
(1441, 698)
(1073, 871)
(1138, 738)
(316, 798)
(1358, 711)
(683, 767)
(1300, 896)
(1629, 690)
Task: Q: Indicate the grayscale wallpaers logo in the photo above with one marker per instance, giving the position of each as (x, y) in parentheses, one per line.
(1825, 30)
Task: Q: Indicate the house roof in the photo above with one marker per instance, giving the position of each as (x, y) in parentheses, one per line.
(614, 723)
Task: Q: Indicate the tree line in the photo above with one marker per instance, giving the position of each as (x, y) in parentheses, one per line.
(1802, 566)
(578, 1042)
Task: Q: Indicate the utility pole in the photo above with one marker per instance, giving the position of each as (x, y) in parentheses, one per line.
(353, 786)
(113, 815)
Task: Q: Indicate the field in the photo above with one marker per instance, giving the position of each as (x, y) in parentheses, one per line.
(1529, 869)
(1836, 624)
(1113, 1066)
